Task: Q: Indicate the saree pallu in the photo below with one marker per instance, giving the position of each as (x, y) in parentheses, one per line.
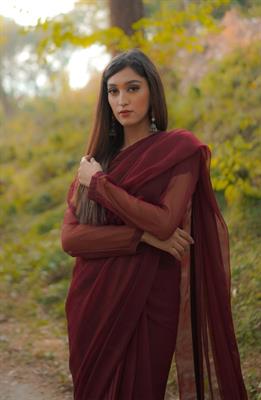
(129, 304)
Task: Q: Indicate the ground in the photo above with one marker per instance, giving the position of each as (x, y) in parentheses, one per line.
(33, 363)
(25, 382)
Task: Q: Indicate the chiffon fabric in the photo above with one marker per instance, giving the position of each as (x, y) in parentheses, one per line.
(130, 306)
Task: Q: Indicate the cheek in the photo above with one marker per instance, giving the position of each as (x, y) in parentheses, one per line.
(111, 103)
(143, 101)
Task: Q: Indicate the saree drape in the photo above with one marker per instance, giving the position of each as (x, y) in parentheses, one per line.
(130, 305)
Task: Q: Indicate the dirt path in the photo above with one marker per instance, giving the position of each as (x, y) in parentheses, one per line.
(18, 383)
(25, 383)
(34, 363)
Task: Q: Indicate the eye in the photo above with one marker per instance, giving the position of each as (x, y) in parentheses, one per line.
(133, 88)
(112, 91)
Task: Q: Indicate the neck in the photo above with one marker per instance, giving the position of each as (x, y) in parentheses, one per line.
(134, 133)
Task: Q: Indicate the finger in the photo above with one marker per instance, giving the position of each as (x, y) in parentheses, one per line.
(185, 235)
(84, 160)
(178, 247)
(86, 157)
(183, 242)
(176, 254)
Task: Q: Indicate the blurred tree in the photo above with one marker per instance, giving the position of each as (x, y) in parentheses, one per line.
(21, 71)
(160, 34)
(5, 101)
(124, 14)
(9, 42)
(246, 7)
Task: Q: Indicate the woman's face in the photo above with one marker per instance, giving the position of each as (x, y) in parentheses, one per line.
(129, 97)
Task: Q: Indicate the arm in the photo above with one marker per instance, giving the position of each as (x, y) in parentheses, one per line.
(159, 220)
(91, 241)
(88, 241)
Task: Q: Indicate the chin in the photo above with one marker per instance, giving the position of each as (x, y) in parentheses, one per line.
(124, 123)
(130, 123)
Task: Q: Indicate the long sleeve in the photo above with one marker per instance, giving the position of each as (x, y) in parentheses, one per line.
(91, 241)
(159, 220)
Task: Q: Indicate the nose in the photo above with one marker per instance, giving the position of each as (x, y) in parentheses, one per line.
(123, 98)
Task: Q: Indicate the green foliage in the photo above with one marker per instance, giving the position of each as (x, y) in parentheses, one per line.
(53, 297)
(161, 34)
(235, 171)
(246, 7)
(41, 203)
(48, 221)
(238, 81)
(48, 137)
(7, 153)
(244, 223)
(227, 116)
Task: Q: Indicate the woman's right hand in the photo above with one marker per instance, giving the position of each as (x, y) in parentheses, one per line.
(176, 245)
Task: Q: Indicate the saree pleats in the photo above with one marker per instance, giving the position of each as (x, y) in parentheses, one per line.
(128, 365)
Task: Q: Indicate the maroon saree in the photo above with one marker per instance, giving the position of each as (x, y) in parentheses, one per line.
(131, 306)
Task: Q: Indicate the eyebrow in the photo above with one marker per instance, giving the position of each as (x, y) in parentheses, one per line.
(131, 81)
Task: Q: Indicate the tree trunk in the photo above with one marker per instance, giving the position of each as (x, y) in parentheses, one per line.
(123, 13)
(6, 104)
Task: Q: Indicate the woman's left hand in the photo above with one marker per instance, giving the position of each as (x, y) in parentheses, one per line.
(87, 169)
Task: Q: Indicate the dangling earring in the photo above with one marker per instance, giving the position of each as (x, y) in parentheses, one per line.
(153, 126)
(112, 131)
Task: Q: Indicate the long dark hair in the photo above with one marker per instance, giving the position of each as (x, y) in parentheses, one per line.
(101, 145)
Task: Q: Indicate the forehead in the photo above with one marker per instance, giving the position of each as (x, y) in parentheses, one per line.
(124, 76)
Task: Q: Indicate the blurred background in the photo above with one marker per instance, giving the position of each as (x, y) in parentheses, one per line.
(51, 57)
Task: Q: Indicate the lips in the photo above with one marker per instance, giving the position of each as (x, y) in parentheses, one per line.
(125, 112)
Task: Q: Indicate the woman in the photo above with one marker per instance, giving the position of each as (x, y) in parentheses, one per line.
(140, 290)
